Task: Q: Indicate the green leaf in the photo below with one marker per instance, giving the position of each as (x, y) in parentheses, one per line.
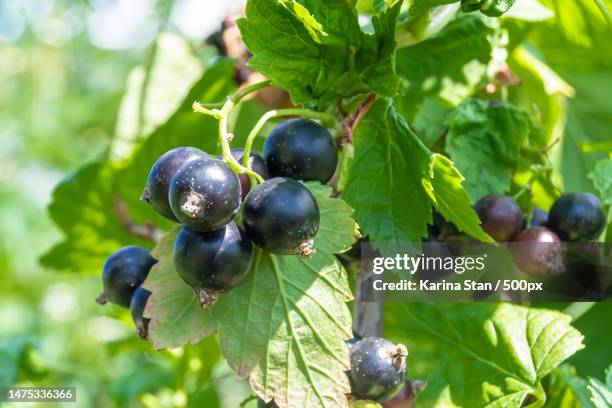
(602, 180)
(450, 199)
(565, 389)
(337, 231)
(485, 142)
(601, 394)
(384, 179)
(284, 326)
(449, 66)
(483, 354)
(317, 51)
(82, 207)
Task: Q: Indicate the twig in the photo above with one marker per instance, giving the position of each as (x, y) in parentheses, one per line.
(350, 122)
(145, 231)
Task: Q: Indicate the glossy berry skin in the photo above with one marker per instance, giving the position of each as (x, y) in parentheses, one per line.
(378, 369)
(538, 252)
(137, 307)
(256, 163)
(577, 217)
(500, 216)
(205, 194)
(214, 261)
(281, 216)
(539, 218)
(158, 182)
(124, 271)
(301, 149)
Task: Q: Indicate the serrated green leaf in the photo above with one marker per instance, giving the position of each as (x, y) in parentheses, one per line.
(317, 51)
(485, 142)
(450, 199)
(337, 231)
(284, 326)
(384, 179)
(601, 394)
(602, 180)
(483, 354)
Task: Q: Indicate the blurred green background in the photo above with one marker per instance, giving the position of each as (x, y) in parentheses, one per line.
(71, 72)
(67, 68)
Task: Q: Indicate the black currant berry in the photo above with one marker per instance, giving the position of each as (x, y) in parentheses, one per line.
(538, 252)
(301, 149)
(539, 218)
(378, 368)
(501, 217)
(158, 183)
(577, 217)
(123, 272)
(137, 307)
(205, 194)
(256, 163)
(212, 262)
(281, 216)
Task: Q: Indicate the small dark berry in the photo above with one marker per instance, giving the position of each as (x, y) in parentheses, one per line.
(301, 149)
(281, 216)
(212, 262)
(205, 194)
(539, 218)
(158, 183)
(123, 272)
(500, 216)
(378, 369)
(577, 217)
(137, 307)
(538, 252)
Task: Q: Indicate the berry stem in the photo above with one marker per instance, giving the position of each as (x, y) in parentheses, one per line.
(327, 119)
(577, 309)
(225, 136)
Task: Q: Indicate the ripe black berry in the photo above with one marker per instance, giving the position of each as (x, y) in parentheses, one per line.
(205, 194)
(538, 252)
(281, 216)
(539, 218)
(212, 262)
(378, 368)
(123, 272)
(256, 163)
(577, 217)
(158, 183)
(301, 149)
(501, 217)
(137, 307)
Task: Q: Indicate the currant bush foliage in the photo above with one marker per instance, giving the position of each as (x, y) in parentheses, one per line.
(428, 141)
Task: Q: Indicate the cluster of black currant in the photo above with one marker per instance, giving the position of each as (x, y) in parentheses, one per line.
(573, 217)
(212, 252)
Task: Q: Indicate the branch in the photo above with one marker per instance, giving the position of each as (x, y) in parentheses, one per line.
(350, 122)
(146, 231)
